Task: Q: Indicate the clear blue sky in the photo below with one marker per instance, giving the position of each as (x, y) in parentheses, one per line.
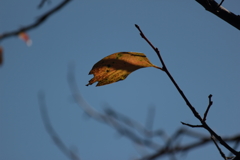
(201, 51)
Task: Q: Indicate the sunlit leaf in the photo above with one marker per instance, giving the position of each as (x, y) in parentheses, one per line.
(25, 38)
(118, 66)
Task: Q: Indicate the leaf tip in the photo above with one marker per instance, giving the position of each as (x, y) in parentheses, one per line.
(88, 84)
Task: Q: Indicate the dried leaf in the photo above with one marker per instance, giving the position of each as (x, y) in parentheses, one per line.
(25, 38)
(118, 66)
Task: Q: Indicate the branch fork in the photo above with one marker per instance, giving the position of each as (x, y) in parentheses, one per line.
(196, 114)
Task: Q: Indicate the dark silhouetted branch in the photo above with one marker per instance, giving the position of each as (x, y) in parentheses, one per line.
(193, 126)
(50, 130)
(221, 12)
(39, 21)
(210, 102)
(219, 149)
(220, 3)
(196, 114)
(184, 148)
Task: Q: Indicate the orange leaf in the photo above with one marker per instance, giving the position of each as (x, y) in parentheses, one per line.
(118, 66)
(25, 38)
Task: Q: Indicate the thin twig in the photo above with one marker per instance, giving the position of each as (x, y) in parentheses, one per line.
(49, 128)
(219, 149)
(168, 73)
(113, 118)
(150, 118)
(155, 49)
(193, 126)
(236, 145)
(39, 21)
(42, 3)
(185, 147)
(210, 102)
(220, 3)
(108, 119)
(196, 114)
(146, 132)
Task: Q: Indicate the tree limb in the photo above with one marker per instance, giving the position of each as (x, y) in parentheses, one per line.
(50, 130)
(219, 149)
(35, 24)
(128, 128)
(42, 3)
(186, 147)
(221, 12)
(194, 111)
(210, 102)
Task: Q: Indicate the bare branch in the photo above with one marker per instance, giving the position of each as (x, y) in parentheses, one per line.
(49, 128)
(220, 3)
(237, 142)
(237, 157)
(110, 118)
(150, 118)
(39, 21)
(116, 121)
(135, 125)
(193, 126)
(186, 147)
(42, 3)
(196, 114)
(221, 12)
(210, 102)
(155, 49)
(219, 149)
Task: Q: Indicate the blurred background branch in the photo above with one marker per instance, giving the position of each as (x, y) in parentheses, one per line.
(38, 22)
(50, 130)
(139, 134)
(43, 2)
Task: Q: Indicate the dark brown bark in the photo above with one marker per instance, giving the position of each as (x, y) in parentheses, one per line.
(221, 12)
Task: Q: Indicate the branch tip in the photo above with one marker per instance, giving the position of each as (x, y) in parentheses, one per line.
(35, 24)
(191, 125)
(210, 102)
(210, 96)
(196, 114)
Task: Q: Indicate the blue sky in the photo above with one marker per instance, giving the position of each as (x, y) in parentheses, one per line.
(200, 50)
